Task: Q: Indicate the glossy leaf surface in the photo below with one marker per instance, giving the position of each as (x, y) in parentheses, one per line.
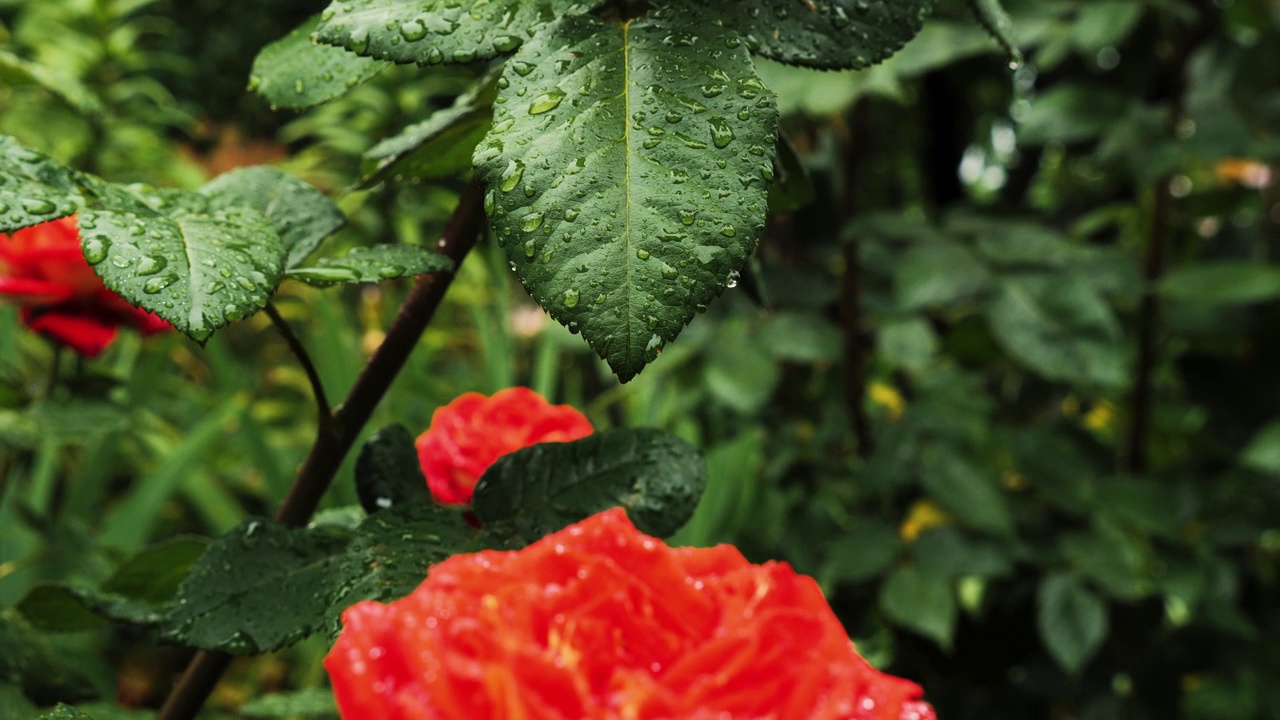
(627, 173)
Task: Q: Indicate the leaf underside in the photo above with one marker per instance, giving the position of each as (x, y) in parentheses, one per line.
(431, 32)
(627, 173)
(825, 34)
(373, 264)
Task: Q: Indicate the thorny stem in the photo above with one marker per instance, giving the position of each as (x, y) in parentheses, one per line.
(334, 440)
(325, 412)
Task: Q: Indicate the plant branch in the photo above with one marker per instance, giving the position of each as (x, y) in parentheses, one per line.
(332, 444)
(324, 411)
(1134, 459)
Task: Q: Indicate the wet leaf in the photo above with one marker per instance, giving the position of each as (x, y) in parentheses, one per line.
(258, 588)
(174, 254)
(34, 188)
(538, 490)
(388, 471)
(627, 172)
(824, 33)
(294, 72)
(300, 214)
(372, 264)
(430, 32)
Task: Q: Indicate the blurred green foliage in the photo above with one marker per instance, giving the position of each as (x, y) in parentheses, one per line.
(1004, 374)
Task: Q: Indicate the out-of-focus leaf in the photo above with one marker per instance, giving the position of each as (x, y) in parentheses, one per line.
(939, 274)
(965, 490)
(921, 602)
(800, 337)
(1223, 283)
(1058, 327)
(863, 552)
(1072, 621)
(907, 343)
(16, 71)
(316, 702)
(1263, 451)
(1071, 112)
(28, 661)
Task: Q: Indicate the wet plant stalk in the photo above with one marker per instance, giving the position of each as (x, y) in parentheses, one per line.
(335, 437)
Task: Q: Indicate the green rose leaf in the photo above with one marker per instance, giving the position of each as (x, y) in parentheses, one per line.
(294, 72)
(388, 471)
(34, 188)
(1072, 621)
(198, 267)
(438, 147)
(538, 490)
(258, 588)
(67, 608)
(627, 173)
(430, 32)
(372, 264)
(392, 550)
(300, 214)
(825, 33)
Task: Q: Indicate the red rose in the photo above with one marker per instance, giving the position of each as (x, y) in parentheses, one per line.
(469, 434)
(43, 269)
(601, 622)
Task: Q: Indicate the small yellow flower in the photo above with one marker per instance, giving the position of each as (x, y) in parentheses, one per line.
(1101, 417)
(887, 397)
(924, 514)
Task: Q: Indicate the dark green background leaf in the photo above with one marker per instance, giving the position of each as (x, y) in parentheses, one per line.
(1072, 621)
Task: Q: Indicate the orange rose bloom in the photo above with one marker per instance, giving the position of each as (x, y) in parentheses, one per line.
(469, 434)
(43, 269)
(601, 622)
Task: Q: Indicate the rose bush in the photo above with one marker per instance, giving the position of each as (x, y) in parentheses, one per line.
(601, 621)
(469, 434)
(43, 269)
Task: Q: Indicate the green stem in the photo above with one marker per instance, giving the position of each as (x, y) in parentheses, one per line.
(335, 439)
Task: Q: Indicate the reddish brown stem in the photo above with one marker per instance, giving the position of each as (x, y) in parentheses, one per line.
(334, 439)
